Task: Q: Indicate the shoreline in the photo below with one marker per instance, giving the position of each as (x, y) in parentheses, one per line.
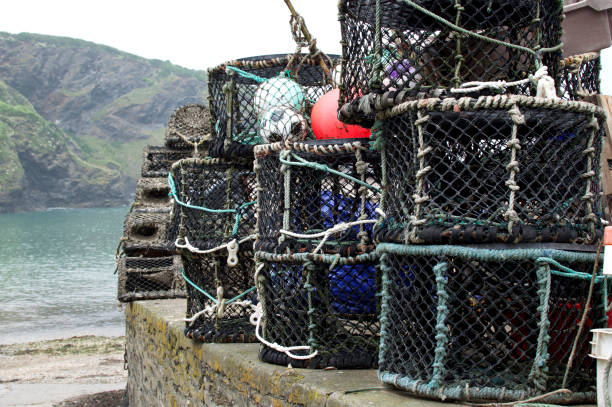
(73, 345)
(51, 372)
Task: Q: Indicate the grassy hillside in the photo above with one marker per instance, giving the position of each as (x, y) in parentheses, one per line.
(93, 105)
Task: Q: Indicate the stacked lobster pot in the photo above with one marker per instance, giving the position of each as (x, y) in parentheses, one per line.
(492, 219)
(147, 266)
(316, 274)
(213, 226)
(214, 217)
(579, 77)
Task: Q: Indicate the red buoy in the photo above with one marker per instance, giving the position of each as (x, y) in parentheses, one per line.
(325, 123)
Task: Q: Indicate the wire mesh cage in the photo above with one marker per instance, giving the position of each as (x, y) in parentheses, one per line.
(317, 196)
(318, 310)
(470, 324)
(580, 76)
(152, 192)
(147, 228)
(157, 160)
(149, 278)
(249, 97)
(189, 128)
(214, 202)
(220, 298)
(492, 169)
(408, 49)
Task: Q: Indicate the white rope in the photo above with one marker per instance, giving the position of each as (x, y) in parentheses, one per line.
(255, 319)
(545, 84)
(340, 227)
(210, 310)
(194, 249)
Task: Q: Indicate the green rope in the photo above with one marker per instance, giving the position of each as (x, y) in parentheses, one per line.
(539, 370)
(437, 376)
(194, 285)
(482, 37)
(191, 283)
(237, 211)
(568, 272)
(245, 74)
(239, 216)
(322, 167)
(176, 198)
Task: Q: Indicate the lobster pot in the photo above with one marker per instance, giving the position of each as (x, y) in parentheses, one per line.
(149, 278)
(189, 128)
(580, 76)
(493, 169)
(214, 203)
(209, 275)
(157, 160)
(238, 98)
(308, 188)
(469, 324)
(152, 192)
(409, 53)
(318, 303)
(147, 229)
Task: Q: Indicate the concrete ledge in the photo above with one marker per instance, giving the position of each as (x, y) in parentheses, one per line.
(168, 369)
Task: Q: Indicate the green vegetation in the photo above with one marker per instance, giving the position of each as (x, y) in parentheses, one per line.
(76, 116)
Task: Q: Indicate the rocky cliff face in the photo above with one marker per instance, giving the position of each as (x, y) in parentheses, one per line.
(74, 118)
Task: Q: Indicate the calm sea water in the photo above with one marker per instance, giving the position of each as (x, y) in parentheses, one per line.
(56, 274)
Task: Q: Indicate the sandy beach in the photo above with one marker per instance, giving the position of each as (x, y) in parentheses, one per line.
(83, 371)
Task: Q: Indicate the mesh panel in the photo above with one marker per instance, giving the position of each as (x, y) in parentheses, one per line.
(148, 278)
(579, 76)
(156, 161)
(492, 326)
(188, 126)
(318, 199)
(252, 100)
(152, 192)
(422, 56)
(217, 185)
(460, 191)
(208, 272)
(335, 312)
(147, 227)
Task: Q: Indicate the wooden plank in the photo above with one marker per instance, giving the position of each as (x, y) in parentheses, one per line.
(605, 102)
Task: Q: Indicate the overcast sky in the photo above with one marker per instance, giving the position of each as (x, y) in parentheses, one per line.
(195, 34)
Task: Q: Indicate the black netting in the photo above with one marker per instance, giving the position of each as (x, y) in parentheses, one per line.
(579, 76)
(208, 273)
(226, 189)
(318, 199)
(189, 126)
(152, 192)
(461, 190)
(422, 56)
(491, 325)
(147, 228)
(148, 278)
(156, 160)
(335, 312)
(288, 98)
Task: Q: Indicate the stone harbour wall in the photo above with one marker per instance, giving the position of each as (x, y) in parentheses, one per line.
(168, 369)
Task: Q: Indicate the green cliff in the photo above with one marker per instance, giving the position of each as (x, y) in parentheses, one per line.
(74, 117)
